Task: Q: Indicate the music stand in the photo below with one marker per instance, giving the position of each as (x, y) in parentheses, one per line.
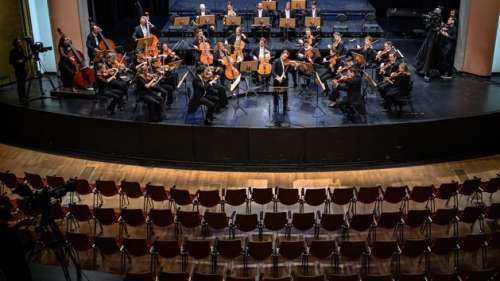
(274, 121)
(247, 68)
(233, 21)
(298, 4)
(269, 5)
(183, 79)
(261, 22)
(287, 24)
(145, 43)
(235, 87)
(205, 20)
(181, 23)
(312, 22)
(320, 85)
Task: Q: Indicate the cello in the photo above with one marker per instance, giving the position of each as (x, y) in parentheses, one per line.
(265, 68)
(230, 71)
(206, 56)
(83, 77)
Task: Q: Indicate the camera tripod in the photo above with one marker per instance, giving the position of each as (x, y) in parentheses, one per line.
(39, 76)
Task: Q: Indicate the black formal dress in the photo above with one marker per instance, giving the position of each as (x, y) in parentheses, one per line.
(448, 46)
(429, 54)
(152, 98)
(280, 70)
(18, 61)
(352, 101)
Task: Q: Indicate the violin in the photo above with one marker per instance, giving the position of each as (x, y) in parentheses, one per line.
(206, 56)
(309, 54)
(83, 77)
(332, 62)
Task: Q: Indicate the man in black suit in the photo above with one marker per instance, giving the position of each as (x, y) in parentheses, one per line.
(260, 31)
(288, 14)
(18, 60)
(237, 34)
(315, 13)
(200, 89)
(93, 43)
(143, 30)
(203, 11)
(351, 101)
(280, 74)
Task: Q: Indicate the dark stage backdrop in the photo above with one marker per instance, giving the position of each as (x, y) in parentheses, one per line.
(382, 5)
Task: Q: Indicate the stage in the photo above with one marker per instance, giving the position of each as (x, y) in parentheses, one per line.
(450, 119)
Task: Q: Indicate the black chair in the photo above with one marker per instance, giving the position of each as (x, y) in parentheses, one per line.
(361, 223)
(199, 276)
(229, 249)
(161, 218)
(492, 215)
(424, 194)
(488, 274)
(417, 248)
(322, 249)
(133, 248)
(181, 197)
(286, 196)
(106, 246)
(83, 188)
(446, 217)
(165, 249)
(491, 186)
(472, 243)
(391, 221)
(344, 196)
(397, 195)
(419, 219)
(471, 215)
(54, 181)
(353, 249)
(274, 221)
(129, 189)
(370, 195)
(291, 249)
(471, 188)
(447, 192)
(217, 221)
(10, 180)
(262, 196)
(315, 197)
(245, 223)
(78, 213)
(173, 276)
(154, 193)
(208, 198)
(104, 188)
(236, 197)
(104, 217)
(303, 222)
(130, 218)
(35, 180)
(79, 242)
(334, 222)
(187, 219)
(444, 246)
(446, 276)
(413, 277)
(386, 249)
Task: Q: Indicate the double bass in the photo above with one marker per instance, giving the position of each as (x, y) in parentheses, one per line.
(83, 77)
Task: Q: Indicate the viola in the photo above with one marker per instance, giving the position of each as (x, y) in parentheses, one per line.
(206, 56)
(83, 76)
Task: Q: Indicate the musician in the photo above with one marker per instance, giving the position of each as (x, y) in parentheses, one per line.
(399, 86)
(230, 12)
(383, 55)
(167, 55)
(260, 31)
(203, 11)
(315, 13)
(367, 50)
(448, 44)
(143, 30)
(386, 72)
(260, 53)
(428, 56)
(332, 63)
(288, 14)
(351, 99)
(308, 37)
(220, 54)
(338, 44)
(280, 74)
(148, 94)
(92, 43)
(18, 59)
(66, 66)
(343, 75)
(306, 53)
(200, 84)
(237, 35)
(109, 86)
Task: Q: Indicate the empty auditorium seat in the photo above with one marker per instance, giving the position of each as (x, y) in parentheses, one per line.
(208, 198)
(35, 180)
(344, 196)
(181, 197)
(129, 189)
(55, 181)
(262, 196)
(471, 189)
(130, 217)
(370, 195)
(236, 197)
(104, 217)
(78, 213)
(391, 221)
(315, 197)
(104, 188)
(286, 196)
(161, 218)
(187, 219)
(217, 221)
(423, 194)
(491, 186)
(472, 214)
(397, 195)
(154, 193)
(448, 218)
(447, 192)
(245, 223)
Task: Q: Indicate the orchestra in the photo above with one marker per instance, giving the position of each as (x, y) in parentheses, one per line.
(153, 67)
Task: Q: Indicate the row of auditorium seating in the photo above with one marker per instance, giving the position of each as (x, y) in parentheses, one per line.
(471, 188)
(334, 254)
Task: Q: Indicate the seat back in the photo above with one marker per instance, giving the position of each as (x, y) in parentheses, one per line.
(342, 196)
(470, 186)
(181, 197)
(133, 217)
(79, 241)
(216, 220)
(55, 181)
(275, 220)
(80, 212)
(167, 248)
(106, 245)
(83, 187)
(353, 248)
(208, 198)
(262, 196)
(145, 276)
(106, 188)
(106, 216)
(189, 219)
(368, 195)
(447, 190)
(315, 196)
(444, 216)
(333, 222)
(198, 249)
(291, 250)
(136, 247)
(156, 192)
(416, 218)
(389, 220)
(229, 249)
(235, 197)
(321, 249)
(161, 217)
(303, 221)
(246, 223)
(395, 194)
(260, 250)
(34, 180)
(422, 194)
(131, 189)
(362, 222)
(415, 247)
(385, 249)
(288, 196)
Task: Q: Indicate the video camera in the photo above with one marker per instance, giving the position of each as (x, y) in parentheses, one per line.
(36, 47)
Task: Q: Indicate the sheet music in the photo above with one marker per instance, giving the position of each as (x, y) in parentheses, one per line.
(235, 83)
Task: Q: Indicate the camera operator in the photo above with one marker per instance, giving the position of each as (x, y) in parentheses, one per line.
(428, 57)
(13, 264)
(18, 61)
